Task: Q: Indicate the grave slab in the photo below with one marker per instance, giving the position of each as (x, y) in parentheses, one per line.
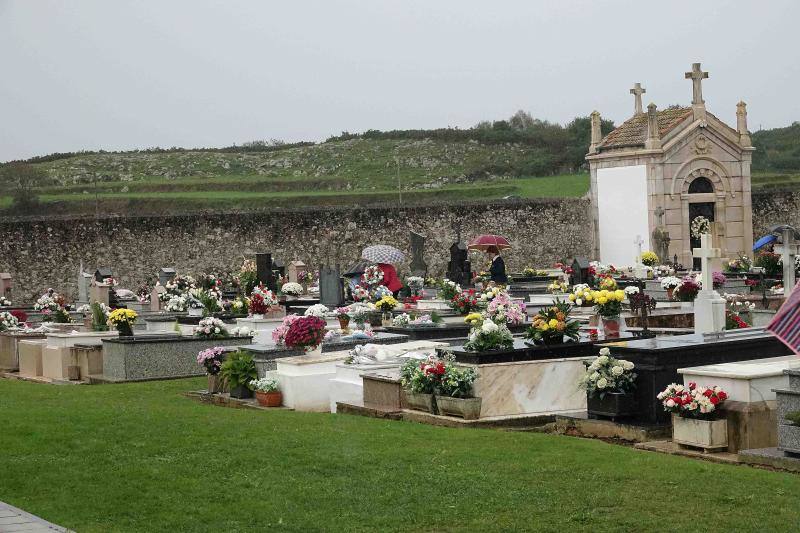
(9, 348)
(30, 357)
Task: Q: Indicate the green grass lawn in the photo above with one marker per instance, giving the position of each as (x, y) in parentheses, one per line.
(141, 457)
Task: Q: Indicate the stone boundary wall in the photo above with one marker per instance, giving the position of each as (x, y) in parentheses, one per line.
(47, 253)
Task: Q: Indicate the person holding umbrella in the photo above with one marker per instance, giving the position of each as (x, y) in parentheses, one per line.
(492, 245)
(386, 257)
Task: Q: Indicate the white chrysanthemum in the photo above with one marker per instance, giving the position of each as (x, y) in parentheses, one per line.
(605, 351)
(602, 383)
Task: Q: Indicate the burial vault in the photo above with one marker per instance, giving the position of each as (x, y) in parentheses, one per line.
(660, 170)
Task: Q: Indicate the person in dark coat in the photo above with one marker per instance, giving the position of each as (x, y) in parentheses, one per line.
(497, 268)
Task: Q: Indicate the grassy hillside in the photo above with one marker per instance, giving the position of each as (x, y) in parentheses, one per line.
(353, 171)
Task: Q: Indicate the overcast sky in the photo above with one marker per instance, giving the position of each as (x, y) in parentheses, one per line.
(123, 74)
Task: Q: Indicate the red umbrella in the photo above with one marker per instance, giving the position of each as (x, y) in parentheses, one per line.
(482, 242)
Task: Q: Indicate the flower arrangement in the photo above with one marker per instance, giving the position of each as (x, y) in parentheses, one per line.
(558, 286)
(552, 324)
(304, 277)
(649, 259)
(502, 309)
(481, 277)
(464, 302)
(269, 297)
(8, 321)
(737, 312)
(52, 306)
(359, 293)
(211, 359)
(379, 292)
(474, 319)
(739, 264)
(180, 285)
(581, 295)
(608, 304)
(670, 282)
(317, 310)
(5, 302)
(176, 304)
(359, 311)
(21, 316)
(242, 331)
(143, 293)
(211, 328)
(770, 262)
(372, 276)
(607, 283)
(489, 336)
(248, 274)
(292, 289)
(401, 320)
(99, 312)
(630, 290)
(207, 299)
(279, 333)
(662, 271)
(449, 289)
(687, 289)
(386, 304)
(305, 332)
(699, 226)
(415, 284)
(596, 268)
(457, 382)
(692, 401)
(488, 295)
(606, 374)
(422, 377)
(264, 384)
(532, 272)
(122, 320)
(257, 304)
(718, 279)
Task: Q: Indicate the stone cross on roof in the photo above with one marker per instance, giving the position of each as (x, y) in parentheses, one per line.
(706, 254)
(637, 93)
(697, 76)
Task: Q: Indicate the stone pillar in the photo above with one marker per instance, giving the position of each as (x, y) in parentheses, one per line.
(741, 124)
(653, 141)
(597, 135)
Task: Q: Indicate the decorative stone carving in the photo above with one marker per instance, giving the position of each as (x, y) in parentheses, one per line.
(701, 145)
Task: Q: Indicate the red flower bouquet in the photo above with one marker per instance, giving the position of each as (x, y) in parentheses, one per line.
(305, 332)
(258, 306)
(464, 302)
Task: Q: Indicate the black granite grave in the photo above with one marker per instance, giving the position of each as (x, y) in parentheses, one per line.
(658, 359)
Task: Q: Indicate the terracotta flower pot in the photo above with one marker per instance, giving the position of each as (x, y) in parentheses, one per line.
(344, 321)
(671, 293)
(269, 399)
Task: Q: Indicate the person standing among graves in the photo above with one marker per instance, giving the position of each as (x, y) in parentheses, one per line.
(497, 267)
(390, 278)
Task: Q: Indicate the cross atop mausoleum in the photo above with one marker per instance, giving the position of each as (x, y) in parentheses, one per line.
(637, 93)
(697, 76)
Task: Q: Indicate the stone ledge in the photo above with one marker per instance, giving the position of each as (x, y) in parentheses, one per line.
(607, 429)
(672, 448)
(771, 457)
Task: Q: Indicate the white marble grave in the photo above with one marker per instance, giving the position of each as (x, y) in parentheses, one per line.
(745, 381)
(709, 306)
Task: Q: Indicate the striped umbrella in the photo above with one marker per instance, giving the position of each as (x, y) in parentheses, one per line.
(381, 253)
(786, 323)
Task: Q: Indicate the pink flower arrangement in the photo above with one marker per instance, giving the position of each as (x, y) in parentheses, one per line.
(211, 359)
(279, 334)
(718, 279)
(503, 309)
(305, 332)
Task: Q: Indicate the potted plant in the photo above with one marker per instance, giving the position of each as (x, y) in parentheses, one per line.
(211, 328)
(359, 312)
(8, 321)
(268, 393)
(258, 305)
(455, 393)
(718, 279)
(502, 309)
(420, 380)
(306, 332)
(668, 283)
(695, 415)
(649, 259)
(581, 295)
(448, 289)
(99, 312)
(52, 306)
(305, 278)
(238, 371)
(343, 317)
(770, 262)
(292, 290)
(464, 302)
(552, 324)
(386, 305)
(687, 289)
(609, 385)
(488, 335)
(739, 265)
(211, 359)
(194, 306)
(608, 304)
(122, 320)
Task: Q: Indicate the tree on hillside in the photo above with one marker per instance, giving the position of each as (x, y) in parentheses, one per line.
(521, 120)
(21, 180)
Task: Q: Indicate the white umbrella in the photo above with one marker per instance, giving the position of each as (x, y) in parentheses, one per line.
(381, 253)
